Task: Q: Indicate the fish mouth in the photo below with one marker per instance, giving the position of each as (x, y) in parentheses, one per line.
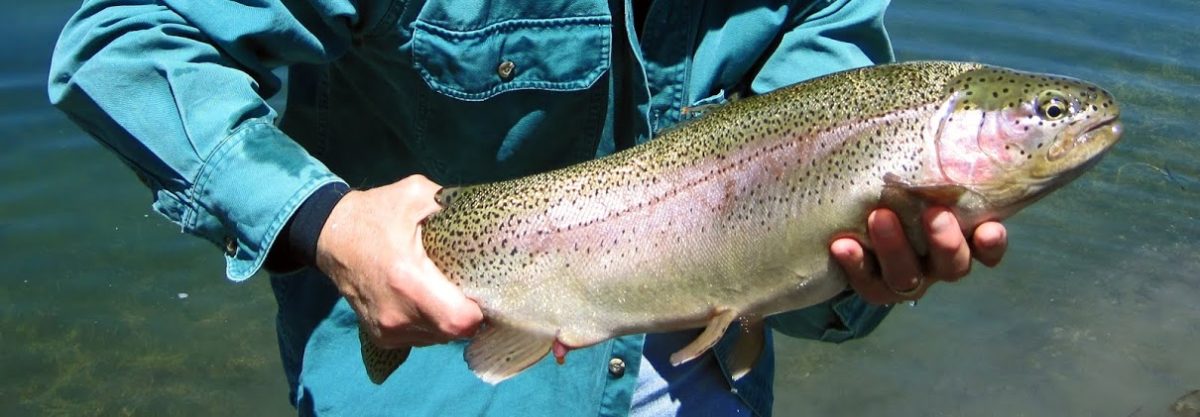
(1064, 163)
(1095, 140)
(1111, 122)
(1102, 136)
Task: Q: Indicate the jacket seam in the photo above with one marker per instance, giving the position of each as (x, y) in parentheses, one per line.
(390, 17)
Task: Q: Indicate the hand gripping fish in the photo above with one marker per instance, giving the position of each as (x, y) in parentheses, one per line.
(730, 217)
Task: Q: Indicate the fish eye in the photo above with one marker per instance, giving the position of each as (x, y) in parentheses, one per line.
(1053, 108)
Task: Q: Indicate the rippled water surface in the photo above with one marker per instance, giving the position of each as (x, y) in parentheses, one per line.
(106, 310)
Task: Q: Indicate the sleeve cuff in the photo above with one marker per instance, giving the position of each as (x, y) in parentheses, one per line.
(296, 245)
(842, 318)
(251, 186)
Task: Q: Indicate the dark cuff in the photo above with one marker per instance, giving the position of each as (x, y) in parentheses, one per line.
(296, 245)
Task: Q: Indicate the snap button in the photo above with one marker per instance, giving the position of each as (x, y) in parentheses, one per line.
(230, 246)
(505, 70)
(616, 367)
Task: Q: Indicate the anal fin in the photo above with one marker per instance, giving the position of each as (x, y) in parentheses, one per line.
(709, 337)
(499, 352)
(380, 362)
(747, 348)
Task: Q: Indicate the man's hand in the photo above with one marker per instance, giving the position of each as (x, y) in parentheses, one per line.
(903, 275)
(371, 247)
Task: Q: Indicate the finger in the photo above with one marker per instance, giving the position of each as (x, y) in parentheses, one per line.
(898, 263)
(440, 302)
(410, 337)
(399, 326)
(860, 272)
(365, 339)
(949, 255)
(421, 192)
(990, 243)
(443, 305)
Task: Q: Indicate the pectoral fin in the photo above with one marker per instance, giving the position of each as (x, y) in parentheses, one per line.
(709, 337)
(908, 201)
(380, 362)
(499, 352)
(938, 194)
(746, 349)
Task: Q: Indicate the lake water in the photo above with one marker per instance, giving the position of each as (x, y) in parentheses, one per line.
(106, 310)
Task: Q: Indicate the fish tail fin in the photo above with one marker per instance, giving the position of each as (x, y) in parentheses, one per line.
(380, 362)
(747, 349)
(499, 351)
(712, 333)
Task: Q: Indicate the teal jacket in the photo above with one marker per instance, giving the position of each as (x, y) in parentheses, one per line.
(462, 91)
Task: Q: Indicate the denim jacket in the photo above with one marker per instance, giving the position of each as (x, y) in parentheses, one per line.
(463, 91)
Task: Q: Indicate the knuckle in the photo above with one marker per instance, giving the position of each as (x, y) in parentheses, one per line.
(410, 186)
(385, 338)
(963, 271)
(412, 181)
(948, 244)
(887, 242)
(892, 253)
(400, 277)
(962, 263)
(459, 326)
(899, 269)
(895, 252)
(953, 271)
(391, 323)
(396, 283)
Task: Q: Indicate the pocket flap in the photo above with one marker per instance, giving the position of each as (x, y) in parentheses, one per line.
(560, 54)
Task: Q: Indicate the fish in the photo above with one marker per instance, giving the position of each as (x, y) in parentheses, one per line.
(1187, 405)
(727, 219)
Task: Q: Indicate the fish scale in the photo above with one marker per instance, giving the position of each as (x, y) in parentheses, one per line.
(729, 216)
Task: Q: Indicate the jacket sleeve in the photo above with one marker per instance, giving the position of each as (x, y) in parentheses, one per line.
(177, 89)
(826, 37)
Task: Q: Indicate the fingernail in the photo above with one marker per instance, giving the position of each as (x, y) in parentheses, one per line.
(845, 249)
(941, 221)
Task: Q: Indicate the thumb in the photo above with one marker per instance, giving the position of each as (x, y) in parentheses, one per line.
(445, 306)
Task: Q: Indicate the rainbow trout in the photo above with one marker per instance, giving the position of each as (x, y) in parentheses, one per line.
(729, 217)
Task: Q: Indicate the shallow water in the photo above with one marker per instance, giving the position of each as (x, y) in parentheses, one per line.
(1096, 310)
(106, 310)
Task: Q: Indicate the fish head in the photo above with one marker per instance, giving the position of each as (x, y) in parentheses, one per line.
(1010, 137)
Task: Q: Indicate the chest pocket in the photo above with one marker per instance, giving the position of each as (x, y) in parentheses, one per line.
(512, 98)
(563, 54)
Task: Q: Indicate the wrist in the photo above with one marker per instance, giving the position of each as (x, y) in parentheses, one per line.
(295, 246)
(310, 219)
(332, 234)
